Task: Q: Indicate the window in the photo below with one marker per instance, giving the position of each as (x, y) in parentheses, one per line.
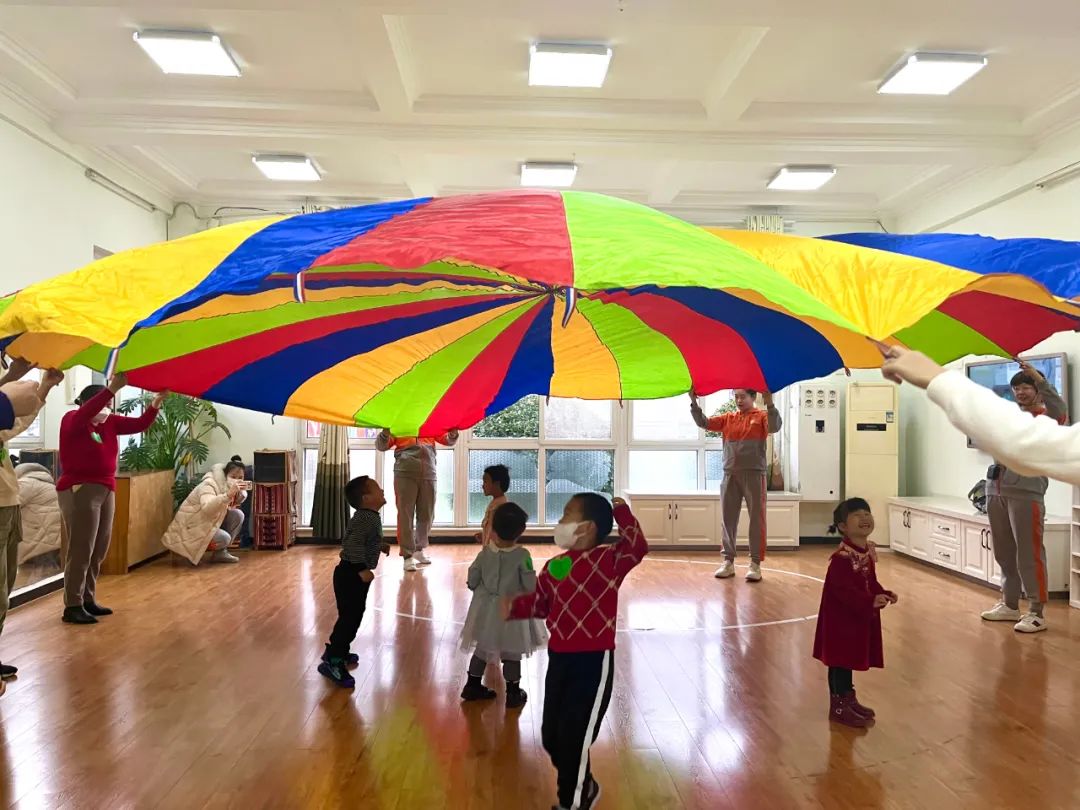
(519, 421)
(714, 469)
(663, 420)
(568, 472)
(577, 419)
(523, 465)
(663, 471)
(313, 430)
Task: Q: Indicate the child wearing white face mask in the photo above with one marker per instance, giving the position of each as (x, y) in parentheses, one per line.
(88, 453)
(501, 569)
(578, 594)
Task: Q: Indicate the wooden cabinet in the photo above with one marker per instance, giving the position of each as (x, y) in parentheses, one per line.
(948, 532)
(144, 510)
(695, 519)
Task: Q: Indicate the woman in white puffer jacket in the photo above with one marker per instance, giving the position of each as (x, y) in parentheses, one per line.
(210, 516)
(40, 509)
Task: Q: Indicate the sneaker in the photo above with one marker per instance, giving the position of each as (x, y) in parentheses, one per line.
(475, 690)
(753, 574)
(1030, 623)
(411, 564)
(1001, 613)
(421, 558)
(77, 615)
(726, 570)
(334, 669)
(223, 556)
(842, 711)
(7, 672)
(591, 794)
(94, 609)
(351, 659)
(516, 697)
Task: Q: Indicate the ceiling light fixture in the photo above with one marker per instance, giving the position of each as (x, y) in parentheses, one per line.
(296, 168)
(548, 175)
(194, 53)
(801, 178)
(932, 74)
(568, 65)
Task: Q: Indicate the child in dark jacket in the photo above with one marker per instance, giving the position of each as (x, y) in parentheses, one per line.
(578, 594)
(848, 633)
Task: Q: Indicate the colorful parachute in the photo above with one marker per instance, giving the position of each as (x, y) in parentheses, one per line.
(424, 315)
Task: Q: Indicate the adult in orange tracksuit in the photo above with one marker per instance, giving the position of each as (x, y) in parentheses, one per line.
(745, 433)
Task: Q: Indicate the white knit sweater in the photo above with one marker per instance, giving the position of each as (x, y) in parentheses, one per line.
(1031, 446)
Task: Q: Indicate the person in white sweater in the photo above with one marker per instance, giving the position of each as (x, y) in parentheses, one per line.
(1029, 445)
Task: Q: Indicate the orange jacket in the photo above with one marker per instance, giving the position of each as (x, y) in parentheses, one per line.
(745, 435)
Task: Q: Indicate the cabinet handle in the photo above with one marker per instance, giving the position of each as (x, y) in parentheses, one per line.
(669, 511)
(676, 511)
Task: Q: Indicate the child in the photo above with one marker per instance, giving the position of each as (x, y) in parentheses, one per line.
(353, 576)
(502, 568)
(496, 485)
(578, 593)
(849, 620)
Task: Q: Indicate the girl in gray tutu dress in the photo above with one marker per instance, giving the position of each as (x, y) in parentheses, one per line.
(502, 568)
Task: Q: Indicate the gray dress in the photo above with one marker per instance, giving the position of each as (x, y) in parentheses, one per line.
(496, 573)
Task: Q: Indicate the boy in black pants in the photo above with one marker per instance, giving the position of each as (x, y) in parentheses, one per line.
(578, 594)
(353, 576)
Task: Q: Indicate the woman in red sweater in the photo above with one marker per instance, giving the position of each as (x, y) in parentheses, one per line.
(849, 620)
(88, 454)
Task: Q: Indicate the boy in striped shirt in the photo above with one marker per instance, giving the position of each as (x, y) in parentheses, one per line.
(360, 549)
(578, 594)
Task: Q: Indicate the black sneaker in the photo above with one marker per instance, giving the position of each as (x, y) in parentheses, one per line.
(351, 659)
(94, 609)
(590, 795)
(516, 697)
(77, 615)
(474, 690)
(334, 669)
(7, 672)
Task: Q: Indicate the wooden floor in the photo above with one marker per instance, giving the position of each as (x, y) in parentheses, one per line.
(202, 692)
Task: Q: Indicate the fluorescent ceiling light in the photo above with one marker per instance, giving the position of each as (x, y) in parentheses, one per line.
(287, 167)
(932, 74)
(568, 65)
(195, 53)
(801, 178)
(549, 175)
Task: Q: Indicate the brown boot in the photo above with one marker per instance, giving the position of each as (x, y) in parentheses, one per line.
(842, 711)
(865, 711)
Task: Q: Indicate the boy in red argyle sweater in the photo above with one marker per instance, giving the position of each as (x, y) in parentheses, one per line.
(578, 594)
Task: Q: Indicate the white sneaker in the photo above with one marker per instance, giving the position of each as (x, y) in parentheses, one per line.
(754, 573)
(726, 570)
(223, 556)
(1001, 613)
(1030, 623)
(421, 558)
(411, 564)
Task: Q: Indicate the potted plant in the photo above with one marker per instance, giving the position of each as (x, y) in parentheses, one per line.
(178, 440)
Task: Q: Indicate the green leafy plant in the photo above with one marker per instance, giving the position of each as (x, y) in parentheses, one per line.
(178, 440)
(727, 407)
(522, 419)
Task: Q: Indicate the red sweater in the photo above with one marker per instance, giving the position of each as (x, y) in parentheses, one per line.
(578, 591)
(85, 459)
(849, 626)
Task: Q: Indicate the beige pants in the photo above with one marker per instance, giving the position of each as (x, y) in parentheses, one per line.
(740, 486)
(10, 537)
(88, 515)
(415, 513)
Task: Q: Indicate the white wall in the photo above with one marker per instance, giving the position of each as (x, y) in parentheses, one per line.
(938, 459)
(51, 217)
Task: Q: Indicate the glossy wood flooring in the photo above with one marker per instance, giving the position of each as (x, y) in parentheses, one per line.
(202, 693)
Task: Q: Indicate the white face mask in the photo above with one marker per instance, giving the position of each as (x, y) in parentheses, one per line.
(566, 535)
(104, 414)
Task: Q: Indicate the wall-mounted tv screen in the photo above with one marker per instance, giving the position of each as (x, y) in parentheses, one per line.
(995, 375)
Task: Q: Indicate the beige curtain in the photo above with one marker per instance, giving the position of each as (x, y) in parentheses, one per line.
(330, 512)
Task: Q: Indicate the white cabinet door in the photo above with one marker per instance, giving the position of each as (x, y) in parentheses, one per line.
(656, 518)
(974, 556)
(694, 523)
(898, 530)
(918, 534)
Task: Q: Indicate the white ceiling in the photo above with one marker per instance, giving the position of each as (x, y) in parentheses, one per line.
(705, 99)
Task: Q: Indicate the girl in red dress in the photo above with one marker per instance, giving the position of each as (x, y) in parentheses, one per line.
(849, 620)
